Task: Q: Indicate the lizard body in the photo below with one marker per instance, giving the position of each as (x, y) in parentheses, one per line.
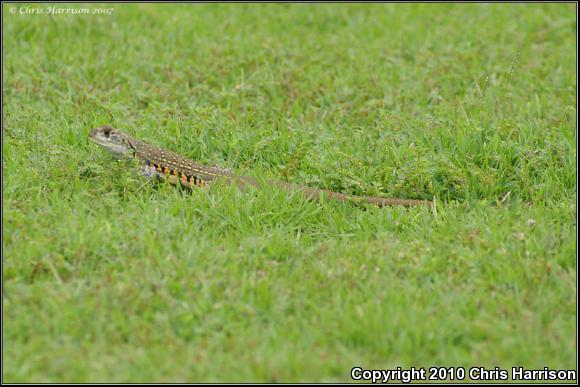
(181, 170)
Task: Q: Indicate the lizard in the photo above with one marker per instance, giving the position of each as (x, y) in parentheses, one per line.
(176, 169)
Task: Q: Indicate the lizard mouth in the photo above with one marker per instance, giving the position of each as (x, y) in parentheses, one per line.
(102, 136)
(95, 139)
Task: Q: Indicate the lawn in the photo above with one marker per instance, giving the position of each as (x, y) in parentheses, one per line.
(108, 277)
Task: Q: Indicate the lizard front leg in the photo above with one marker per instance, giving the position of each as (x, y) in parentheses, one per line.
(150, 172)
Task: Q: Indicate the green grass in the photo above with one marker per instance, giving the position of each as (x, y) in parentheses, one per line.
(108, 277)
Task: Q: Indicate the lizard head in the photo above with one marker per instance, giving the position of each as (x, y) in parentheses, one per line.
(113, 140)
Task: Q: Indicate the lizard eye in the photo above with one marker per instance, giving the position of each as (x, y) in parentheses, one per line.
(107, 132)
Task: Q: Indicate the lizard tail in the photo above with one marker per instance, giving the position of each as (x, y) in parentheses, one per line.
(315, 194)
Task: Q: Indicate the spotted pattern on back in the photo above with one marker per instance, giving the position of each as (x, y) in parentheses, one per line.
(176, 168)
